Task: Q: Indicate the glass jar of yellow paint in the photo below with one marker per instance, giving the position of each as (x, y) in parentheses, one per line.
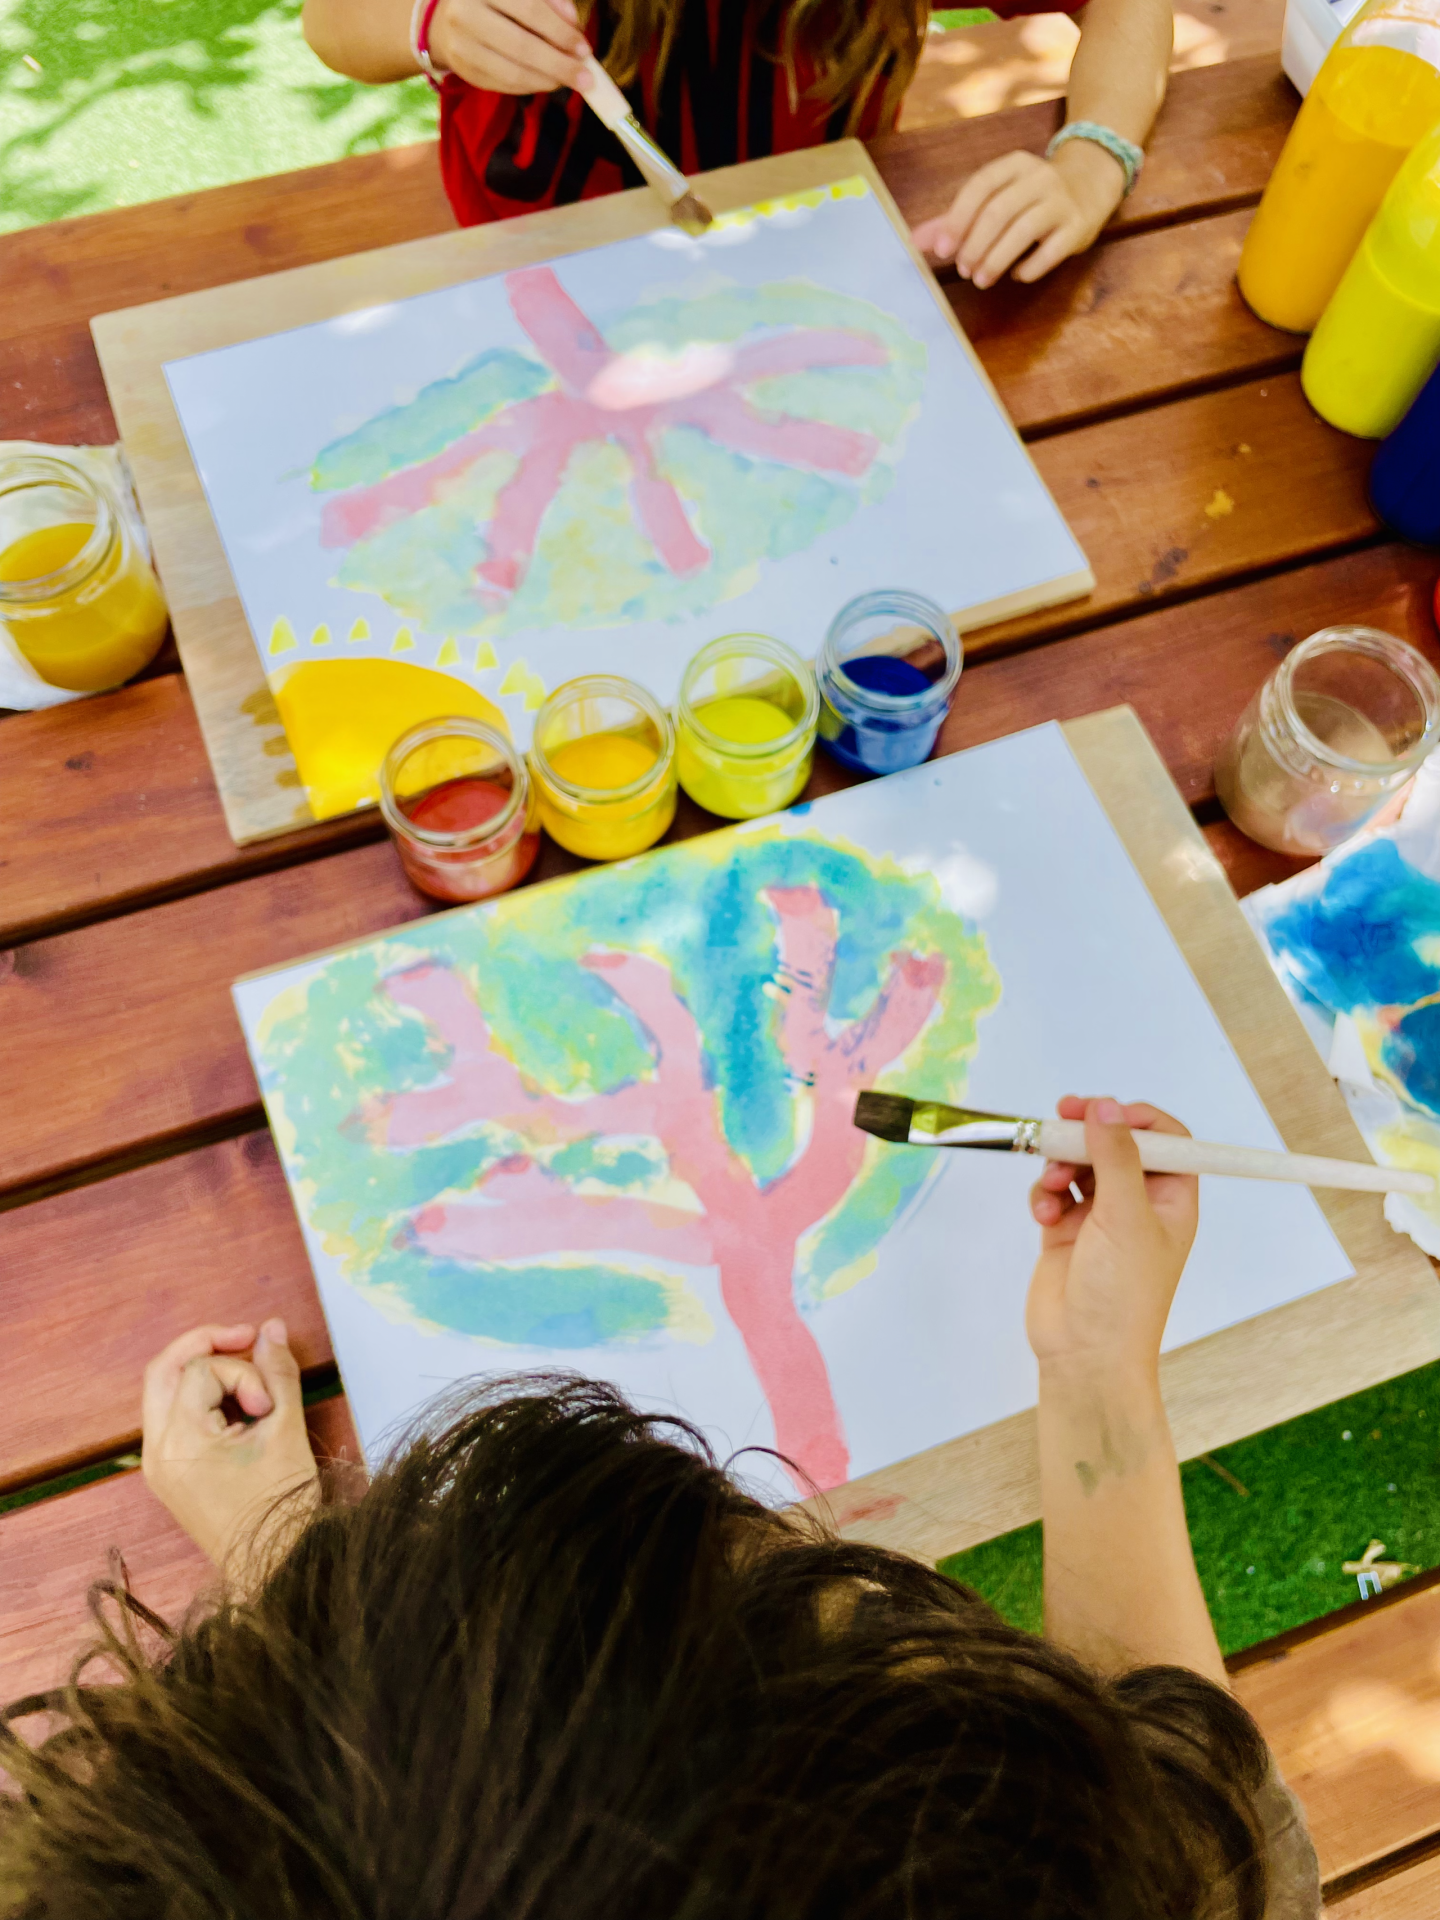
(1335, 732)
(603, 759)
(76, 593)
(746, 734)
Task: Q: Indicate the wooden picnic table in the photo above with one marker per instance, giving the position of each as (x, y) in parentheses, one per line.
(139, 1189)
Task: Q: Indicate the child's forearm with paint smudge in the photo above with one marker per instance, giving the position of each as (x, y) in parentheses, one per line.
(1121, 1588)
(1037, 212)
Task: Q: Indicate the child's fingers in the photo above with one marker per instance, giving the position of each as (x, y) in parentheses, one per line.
(1140, 1113)
(545, 21)
(277, 1367)
(526, 58)
(998, 213)
(943, 235)
(163, 1375)
(1059, 246)
(1018, 237)
(209, 1380)
(1114, 1159)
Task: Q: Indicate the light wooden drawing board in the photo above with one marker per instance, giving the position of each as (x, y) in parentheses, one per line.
(255, 771)
(1382, 1322)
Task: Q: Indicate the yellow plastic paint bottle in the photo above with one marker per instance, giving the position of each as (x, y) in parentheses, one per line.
(747, 715)
(1377, 94)
(1379, 339)
(603, 761)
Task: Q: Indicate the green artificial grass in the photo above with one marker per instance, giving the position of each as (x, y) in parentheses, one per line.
(1273, 1517)
(104, 103)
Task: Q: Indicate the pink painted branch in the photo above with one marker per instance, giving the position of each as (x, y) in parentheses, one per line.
(658, 507)
(520, 1211)
(892, 1025)
(793, 443)
(806, 934)
(519, 509)
(569, 341)
(482, 1084)
(805, 350)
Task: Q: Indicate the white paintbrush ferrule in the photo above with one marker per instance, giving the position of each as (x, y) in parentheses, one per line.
(609, 103)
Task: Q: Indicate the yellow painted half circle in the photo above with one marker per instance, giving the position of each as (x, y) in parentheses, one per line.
(341, 718)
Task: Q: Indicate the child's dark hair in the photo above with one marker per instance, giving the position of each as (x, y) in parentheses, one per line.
(554, 1665)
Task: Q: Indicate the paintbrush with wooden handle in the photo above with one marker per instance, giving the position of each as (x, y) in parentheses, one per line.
(687, 210)
(930, 1123)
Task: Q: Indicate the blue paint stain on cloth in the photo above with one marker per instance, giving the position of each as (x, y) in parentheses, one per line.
(1353, 944)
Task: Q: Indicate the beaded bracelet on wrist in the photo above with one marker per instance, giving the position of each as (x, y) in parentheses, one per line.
(1131, 157)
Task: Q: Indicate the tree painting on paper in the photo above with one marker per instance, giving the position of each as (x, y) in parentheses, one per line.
(529, 1123)
(639, 467)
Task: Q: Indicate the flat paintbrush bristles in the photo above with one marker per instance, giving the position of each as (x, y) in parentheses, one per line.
(886, 1115)
(691, 214)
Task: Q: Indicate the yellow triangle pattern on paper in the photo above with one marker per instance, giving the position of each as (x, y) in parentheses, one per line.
(448, 656)
(404, 641)
(282, 636)
(321, 636)
(485, 657)
(360, 630)
(523, 679)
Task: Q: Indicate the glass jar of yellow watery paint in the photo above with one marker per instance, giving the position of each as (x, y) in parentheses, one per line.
(603, 758)
(76, 593)
(746, 733)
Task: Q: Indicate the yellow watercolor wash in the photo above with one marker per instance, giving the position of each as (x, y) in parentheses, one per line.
(485, 657)
(321, 636)
(360, 630)
(282, 636)
(855, 188)
(523, 679)
(1220, 505)
(448, 656)
(341, 717)
(404, 641)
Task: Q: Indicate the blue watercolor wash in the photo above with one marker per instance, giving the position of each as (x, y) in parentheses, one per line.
(1412, 1054)
(1352, 944)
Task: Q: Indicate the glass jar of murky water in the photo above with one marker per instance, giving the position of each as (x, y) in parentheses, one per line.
(1336, 730)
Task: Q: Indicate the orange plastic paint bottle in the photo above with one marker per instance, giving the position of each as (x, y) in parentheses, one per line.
(1377, 94)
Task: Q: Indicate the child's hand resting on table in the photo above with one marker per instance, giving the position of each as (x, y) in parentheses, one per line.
(1021, 202)
(1110, 1263)
(509, 46)
(220, 1477)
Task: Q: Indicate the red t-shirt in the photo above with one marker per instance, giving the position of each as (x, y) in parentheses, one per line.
(721, 100)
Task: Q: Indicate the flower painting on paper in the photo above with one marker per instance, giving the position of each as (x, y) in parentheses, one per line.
(533, 1125)
(640, 471)
(456, 500)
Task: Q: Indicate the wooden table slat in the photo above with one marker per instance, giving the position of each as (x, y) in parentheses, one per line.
(1411, 1894)
(1353, 1718)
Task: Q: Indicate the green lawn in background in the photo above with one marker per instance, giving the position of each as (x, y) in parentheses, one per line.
(107, 102)
(1316, 1492)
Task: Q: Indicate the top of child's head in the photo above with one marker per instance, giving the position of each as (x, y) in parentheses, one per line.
(556, 1665)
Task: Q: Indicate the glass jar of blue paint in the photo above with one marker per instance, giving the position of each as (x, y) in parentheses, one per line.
(886, 674)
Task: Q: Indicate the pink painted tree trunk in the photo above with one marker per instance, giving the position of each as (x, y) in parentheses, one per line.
(748, 1230)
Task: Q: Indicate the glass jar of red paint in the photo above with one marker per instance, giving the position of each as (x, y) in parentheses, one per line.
(460, 808)
(887, 671)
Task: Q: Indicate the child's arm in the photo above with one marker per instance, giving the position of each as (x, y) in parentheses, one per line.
(221, 1479)
(1058, 206)
(504, 46)
(1120, 1583)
